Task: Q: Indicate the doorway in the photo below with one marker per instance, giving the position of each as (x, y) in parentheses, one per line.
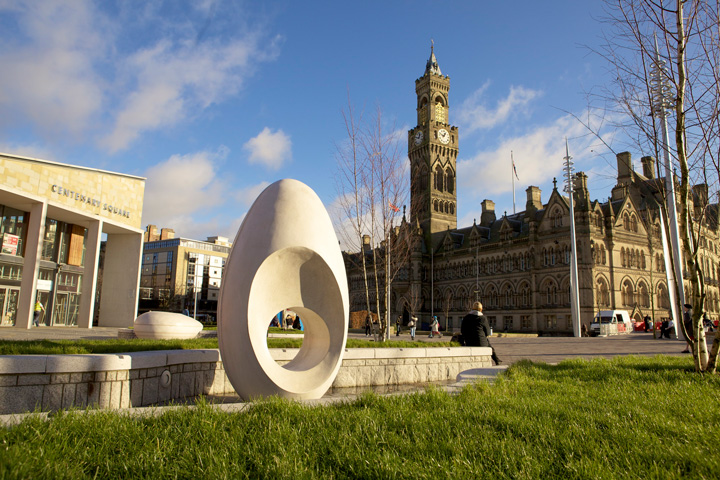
(66, 308)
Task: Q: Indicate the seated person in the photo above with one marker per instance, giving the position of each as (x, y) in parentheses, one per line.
(667, 328)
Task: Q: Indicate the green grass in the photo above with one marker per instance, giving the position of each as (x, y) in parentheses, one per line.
(628, 418)
(64, 347)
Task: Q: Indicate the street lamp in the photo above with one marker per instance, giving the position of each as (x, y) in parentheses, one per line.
(661, 103)
(574, 290)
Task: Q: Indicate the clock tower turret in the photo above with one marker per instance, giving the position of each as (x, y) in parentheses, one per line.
(433, 150)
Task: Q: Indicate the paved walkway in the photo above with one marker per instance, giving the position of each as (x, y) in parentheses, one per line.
(509, 348)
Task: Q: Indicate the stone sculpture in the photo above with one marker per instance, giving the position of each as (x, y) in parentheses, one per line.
(285, 256)
(166, 325)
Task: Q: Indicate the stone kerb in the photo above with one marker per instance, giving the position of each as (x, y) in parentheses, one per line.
(53, 382)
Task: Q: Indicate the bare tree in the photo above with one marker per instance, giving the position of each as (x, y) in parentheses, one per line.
(448, 298)
(387, 188)
(643, 37)
(371, 185)
(349, 183)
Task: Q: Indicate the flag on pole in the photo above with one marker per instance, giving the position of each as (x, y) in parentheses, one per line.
(394, 208)
(514, 169)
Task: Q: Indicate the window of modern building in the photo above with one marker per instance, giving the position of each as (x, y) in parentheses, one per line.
(12, 230)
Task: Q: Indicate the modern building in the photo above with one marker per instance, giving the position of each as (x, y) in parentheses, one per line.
(53, 218)
(180, 273)
(518, 264)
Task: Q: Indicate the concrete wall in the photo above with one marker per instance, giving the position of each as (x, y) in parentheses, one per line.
(53, 382)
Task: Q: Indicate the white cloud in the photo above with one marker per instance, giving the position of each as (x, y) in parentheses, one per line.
(269, 149)
(32, 151)
(175, 78)
(473, 114)
(181, 186)
(82, 67)
(538, 158)
(48, 75)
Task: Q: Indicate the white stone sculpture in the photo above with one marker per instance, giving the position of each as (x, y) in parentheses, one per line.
(285, 256)
(166, 325)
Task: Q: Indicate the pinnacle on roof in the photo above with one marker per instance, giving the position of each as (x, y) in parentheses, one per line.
(432, 65)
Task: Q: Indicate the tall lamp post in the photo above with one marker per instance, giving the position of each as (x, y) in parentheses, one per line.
(574, 290)
(662, 102)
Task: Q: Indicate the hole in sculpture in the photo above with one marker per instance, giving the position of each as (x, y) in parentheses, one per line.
(287, 325)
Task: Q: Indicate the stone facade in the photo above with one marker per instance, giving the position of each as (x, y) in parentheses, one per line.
(53, 218)
(518, 264)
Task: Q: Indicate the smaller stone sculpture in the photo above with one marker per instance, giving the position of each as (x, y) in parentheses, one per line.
(166, 325)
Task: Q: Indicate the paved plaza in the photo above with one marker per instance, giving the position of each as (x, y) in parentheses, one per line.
(509, 348)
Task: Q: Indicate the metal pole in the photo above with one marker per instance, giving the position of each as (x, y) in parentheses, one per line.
(512, 177)
(662, 103)
(574, 287)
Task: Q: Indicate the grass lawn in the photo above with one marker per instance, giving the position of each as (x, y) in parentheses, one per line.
(62, 347)
(630, 418)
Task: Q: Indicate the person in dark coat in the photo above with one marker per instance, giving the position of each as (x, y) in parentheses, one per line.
(475, 330)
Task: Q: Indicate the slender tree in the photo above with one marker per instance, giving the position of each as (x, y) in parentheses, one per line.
(371, 186)
(664, 61)
(349, 182)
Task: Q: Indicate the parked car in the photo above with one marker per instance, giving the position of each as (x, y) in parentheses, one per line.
(619, 318)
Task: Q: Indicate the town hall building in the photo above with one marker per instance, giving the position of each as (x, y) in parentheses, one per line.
(518, 265)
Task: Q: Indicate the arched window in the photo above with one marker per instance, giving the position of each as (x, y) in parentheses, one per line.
(549, 293)
(439, 178)
(439, 110)
(662, 296)
(643, 295)
(508, 297)
(525, 295)
(449, 181)
(628, 293)
(602, 293)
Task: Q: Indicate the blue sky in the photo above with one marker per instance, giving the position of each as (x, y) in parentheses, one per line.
(214, 100)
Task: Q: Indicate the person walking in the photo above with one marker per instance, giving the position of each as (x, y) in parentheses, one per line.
(398, 323)
(368, 326)
(435, 328)
(39, 310)
(412, 324)
(475, 330)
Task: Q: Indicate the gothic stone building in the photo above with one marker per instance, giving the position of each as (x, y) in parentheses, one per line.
(519, 265)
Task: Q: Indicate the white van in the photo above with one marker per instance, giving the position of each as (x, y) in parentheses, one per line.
(611, 322)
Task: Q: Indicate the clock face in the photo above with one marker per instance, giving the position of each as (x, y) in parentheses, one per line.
(443, 136)
(418, 137)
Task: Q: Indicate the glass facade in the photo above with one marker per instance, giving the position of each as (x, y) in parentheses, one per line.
(60, 273)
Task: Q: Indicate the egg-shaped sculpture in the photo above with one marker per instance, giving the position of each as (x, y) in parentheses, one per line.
(165, 326)
(285, 256)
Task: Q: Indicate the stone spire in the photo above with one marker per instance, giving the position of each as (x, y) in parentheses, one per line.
(432, 65)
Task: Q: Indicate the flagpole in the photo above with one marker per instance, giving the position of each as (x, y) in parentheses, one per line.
(512, 177)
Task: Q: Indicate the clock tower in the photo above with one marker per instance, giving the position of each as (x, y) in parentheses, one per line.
(433, 149)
